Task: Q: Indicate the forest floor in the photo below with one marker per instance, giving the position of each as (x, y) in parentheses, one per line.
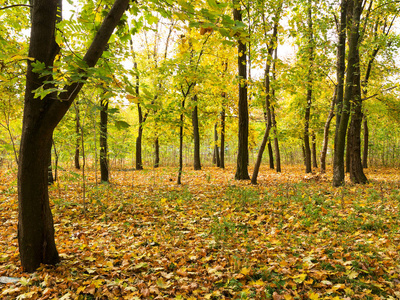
(292, 236)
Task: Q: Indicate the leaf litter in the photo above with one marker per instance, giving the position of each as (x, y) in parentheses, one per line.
(144, 237)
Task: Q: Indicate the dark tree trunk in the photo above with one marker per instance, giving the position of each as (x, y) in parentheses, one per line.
(156, 153)
(196, 136)
(41, 116)
(271, 155)
(366, 141)
(179, 181)
(352, 60)
(307, 148)
(216, 149)
(354, 135)
(104, 167)
(222, 156)
(314, 151)
(243, 135)
(139, 163)
(273, 119)
(77, 145)
(324, 149)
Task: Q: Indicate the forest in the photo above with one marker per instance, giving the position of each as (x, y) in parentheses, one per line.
(199, 149)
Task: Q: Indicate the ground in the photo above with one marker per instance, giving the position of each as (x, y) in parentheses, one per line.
(292, 236)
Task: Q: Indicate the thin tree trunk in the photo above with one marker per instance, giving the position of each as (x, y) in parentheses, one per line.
(156, 153)
(271, 155)
(179, 181)
(307, 149)
(139, 163)
(77, 126)
(222, 155)
(271, 47)
(314, 151)
(196, 136)
(104, 164)
(216, 149)
(243, 135)
(273, 119)
(366, 141)
(324, 149)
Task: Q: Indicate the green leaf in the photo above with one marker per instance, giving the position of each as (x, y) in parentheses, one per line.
(121, 125)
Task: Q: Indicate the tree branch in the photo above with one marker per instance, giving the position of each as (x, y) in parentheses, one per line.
(15, 5)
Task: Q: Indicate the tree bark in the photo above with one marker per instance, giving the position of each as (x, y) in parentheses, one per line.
(156, 153)
(352, 60)
(41, 116)
(324, 149)
(196, 136)
(104, 167)
(366, 141)
(271, 155)
(222, 155)
(77, 141)
(243, 135)
(273, 119)
(307, 149)
(179, 180)
(271, 47)
(354, 135)
(314, 151)
(216, 148)
(50, 177)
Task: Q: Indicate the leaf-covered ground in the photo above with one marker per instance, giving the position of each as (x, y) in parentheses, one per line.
(143, 237)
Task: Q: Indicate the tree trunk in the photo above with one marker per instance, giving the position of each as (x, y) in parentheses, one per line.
(139, 163)
(41, 116)
(271, 47)
(243, 135)
(77, 145)
(340, 137)
(324, 149)
(156, 153)
(307, 149)
(222, 155)
(276, 142)
(366, 141)
(179, 181)
(196, 136)
(104, 167)
(216, 149)
(314, 151)
(354, 135)
(271, 155)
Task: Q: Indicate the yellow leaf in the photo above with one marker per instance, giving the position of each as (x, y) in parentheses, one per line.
(299, 278)
(245, 271)
(162, 284)
(313, 296)
(352, 275)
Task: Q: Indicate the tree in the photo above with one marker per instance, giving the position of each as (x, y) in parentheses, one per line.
(243, 135)
(310, 46)
(271, 47)
(355, 7)
(41, 116)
